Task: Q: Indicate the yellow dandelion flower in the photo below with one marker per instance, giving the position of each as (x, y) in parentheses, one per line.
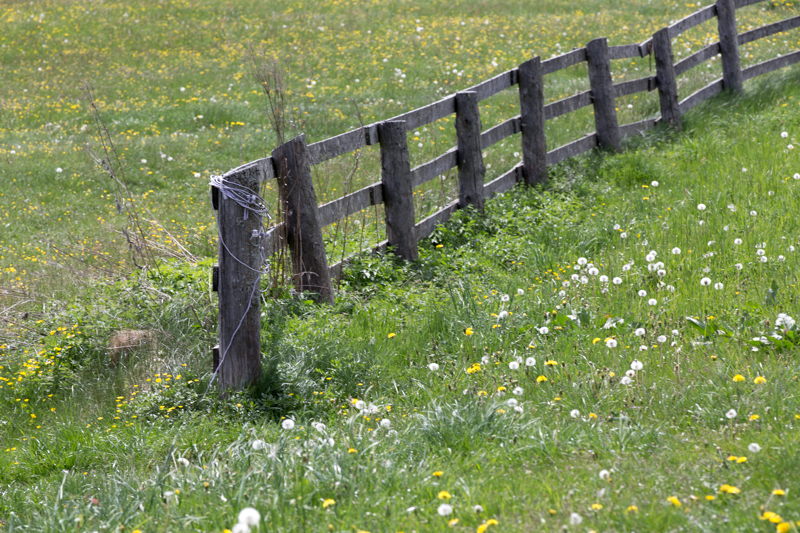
(632, 509)
(541, 379)
(783, 527)
(754, 417)
(392, 335)
(468, 332)
(444, 495)
(738, 378)
(674, 501)
(551, 363)
(779, 492)
(327, 503)
(597, 506)
(710, 497)
(729, 489)
(352, 450)
(438, 473)
(453, 522)
(760, 380)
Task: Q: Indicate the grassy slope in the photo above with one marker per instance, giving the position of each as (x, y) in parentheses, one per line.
(664, 435)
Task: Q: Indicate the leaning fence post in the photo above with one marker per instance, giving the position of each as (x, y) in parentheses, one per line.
(301, 218)
(471, 170)
(238, 357)
(665, 78)
(398, 192)
(532, 118)
(605, 111)
(729, 45)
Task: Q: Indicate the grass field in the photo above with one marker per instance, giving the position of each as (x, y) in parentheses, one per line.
(612, 353)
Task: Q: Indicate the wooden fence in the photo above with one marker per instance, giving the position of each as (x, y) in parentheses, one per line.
(303, 220)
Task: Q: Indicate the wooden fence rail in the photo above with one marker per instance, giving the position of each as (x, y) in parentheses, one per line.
(303, 220)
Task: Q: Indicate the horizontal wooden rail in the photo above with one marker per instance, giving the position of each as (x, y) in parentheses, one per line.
(646, 47)
(504, 182)
(770, 65)
(696, 58)
(635, 86)
(769, 29)
(745, 3)
(335, 146)
(426, 226)
(495, 85)
(350, 204)
(563, 61)
(710, 90)
(265, 169)
(624, 51)
(696, 18)
(567, 105)
(438, 166)
(633, 128)
(503, 130)
(572, 149)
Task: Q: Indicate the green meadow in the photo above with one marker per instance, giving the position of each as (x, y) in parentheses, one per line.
(615, 351)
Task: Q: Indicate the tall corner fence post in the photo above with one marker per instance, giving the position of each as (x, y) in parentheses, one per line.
(398, 190)
(301, 218)
(532, 119)
(237, 360)
(729, 46)
(665, 78)
(471, 170)
(602, 84)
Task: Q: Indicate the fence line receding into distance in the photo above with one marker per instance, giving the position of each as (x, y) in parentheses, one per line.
(291, 163)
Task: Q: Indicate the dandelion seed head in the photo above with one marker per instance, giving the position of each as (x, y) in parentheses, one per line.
(287, 424)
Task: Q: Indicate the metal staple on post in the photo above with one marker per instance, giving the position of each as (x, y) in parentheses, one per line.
(605, 112)
(471, 170)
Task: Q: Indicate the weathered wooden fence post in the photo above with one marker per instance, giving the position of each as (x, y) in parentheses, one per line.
(238, 357)
(532, 119)
(729, 45)
(665, 78)
(301, 217)
(471, 170)
(605, 111)
(398, 193)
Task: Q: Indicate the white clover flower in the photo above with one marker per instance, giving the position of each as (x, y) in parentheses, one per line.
(754, 447)
(505, 298)
(582, 261)
(520, 292)
(617, 280)
(639, 332)
(719, 286)
(517, 391)
(661, 339)
(434, 367)
(544, 330)
(625, 380)
(701, 207)
(258, 444)
(642, 293)
(287, 424)
(705, 282)
(785, 321)
(445, 509)
(249, 517)
(386, 423)
(731, 414)
(611, 343)
(512, 402)
(638, 365)
(530, 361)
(575, 413)
(575, 519)
(513, 365)
(744, 169)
